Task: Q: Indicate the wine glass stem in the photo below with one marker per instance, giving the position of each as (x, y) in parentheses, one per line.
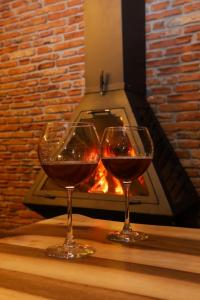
(69, 240)
(127, 226)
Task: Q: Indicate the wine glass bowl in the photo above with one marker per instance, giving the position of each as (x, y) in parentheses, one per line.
(126, 153)
(69, 153)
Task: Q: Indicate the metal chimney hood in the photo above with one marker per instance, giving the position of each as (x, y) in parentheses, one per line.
(103, 45)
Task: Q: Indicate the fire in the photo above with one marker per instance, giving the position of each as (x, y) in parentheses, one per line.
(141, 180)
(132, 152)
(102, 182)
(118, 187)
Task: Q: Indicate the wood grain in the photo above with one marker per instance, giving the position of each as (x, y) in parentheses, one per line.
(167, 266)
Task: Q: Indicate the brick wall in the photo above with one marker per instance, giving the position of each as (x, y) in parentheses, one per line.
(173, 74)
(41, 79)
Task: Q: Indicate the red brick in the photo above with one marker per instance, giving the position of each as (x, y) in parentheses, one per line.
(75, 19)
(45, 88)
(196, 154)
(54, 94)
(189, 57)
(25, 45)
(21, 70)
(56, 109)
(70, 61)
(51, 1)
(66, 29)
(9, 127)
(22, 53)
(43, 50)
(44, 81)
(21, 105)
(162, 61)
(60, 78)
(7, 36)
(9, 64)
(67, 45)
(185, 97)
(192, 7)
(189, 77)
(44, 34)
(74, 2)
(5, 22)
(47, 57)
(162, 15)
(187, 88)
(180, 2)
(181, 126)
(178, 107)
(54, 8)
(24, 61)
(47, 41)
(161, 90)
(67, 85)
(7, 50)
(179, 69)
(48, 117)
(192, 28)
(160, 6)
(75, 92)
(28, 7)
(159, 25)
(42, 27)
(76, 68)
(170, 42)
(46, 65)
(32, 21)
(188, 116)
(73, 35)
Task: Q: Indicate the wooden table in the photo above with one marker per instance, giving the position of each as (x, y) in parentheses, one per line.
(167, 266)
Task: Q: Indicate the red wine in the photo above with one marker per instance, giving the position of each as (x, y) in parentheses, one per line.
(69, 173)
(126, 168)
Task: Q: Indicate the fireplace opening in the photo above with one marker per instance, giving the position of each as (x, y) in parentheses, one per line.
(102, 181)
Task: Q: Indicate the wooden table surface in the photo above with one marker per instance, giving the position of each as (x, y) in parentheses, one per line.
(166, 266)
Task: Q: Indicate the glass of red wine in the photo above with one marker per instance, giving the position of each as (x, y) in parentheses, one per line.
(126, 153)
(69, 153)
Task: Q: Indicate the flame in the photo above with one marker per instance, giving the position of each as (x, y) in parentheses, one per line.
(132, 152)
(102, 183)
(141, 180)
(118, 187)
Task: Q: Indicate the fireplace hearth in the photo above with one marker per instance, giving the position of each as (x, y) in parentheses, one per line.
(116, 95)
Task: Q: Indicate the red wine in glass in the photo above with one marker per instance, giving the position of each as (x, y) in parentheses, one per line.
(126, 153)
(69, 153)
(69, 173)
(126, 168)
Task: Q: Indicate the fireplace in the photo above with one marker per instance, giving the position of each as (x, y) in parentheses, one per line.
(116, 95)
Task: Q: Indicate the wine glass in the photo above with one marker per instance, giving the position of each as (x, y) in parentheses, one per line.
(69, 153)
(126, 152)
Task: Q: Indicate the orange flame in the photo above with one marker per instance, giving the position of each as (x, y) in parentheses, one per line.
(102, 183)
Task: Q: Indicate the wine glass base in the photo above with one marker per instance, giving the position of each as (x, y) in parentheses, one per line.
(69, 252)
(127, 238)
